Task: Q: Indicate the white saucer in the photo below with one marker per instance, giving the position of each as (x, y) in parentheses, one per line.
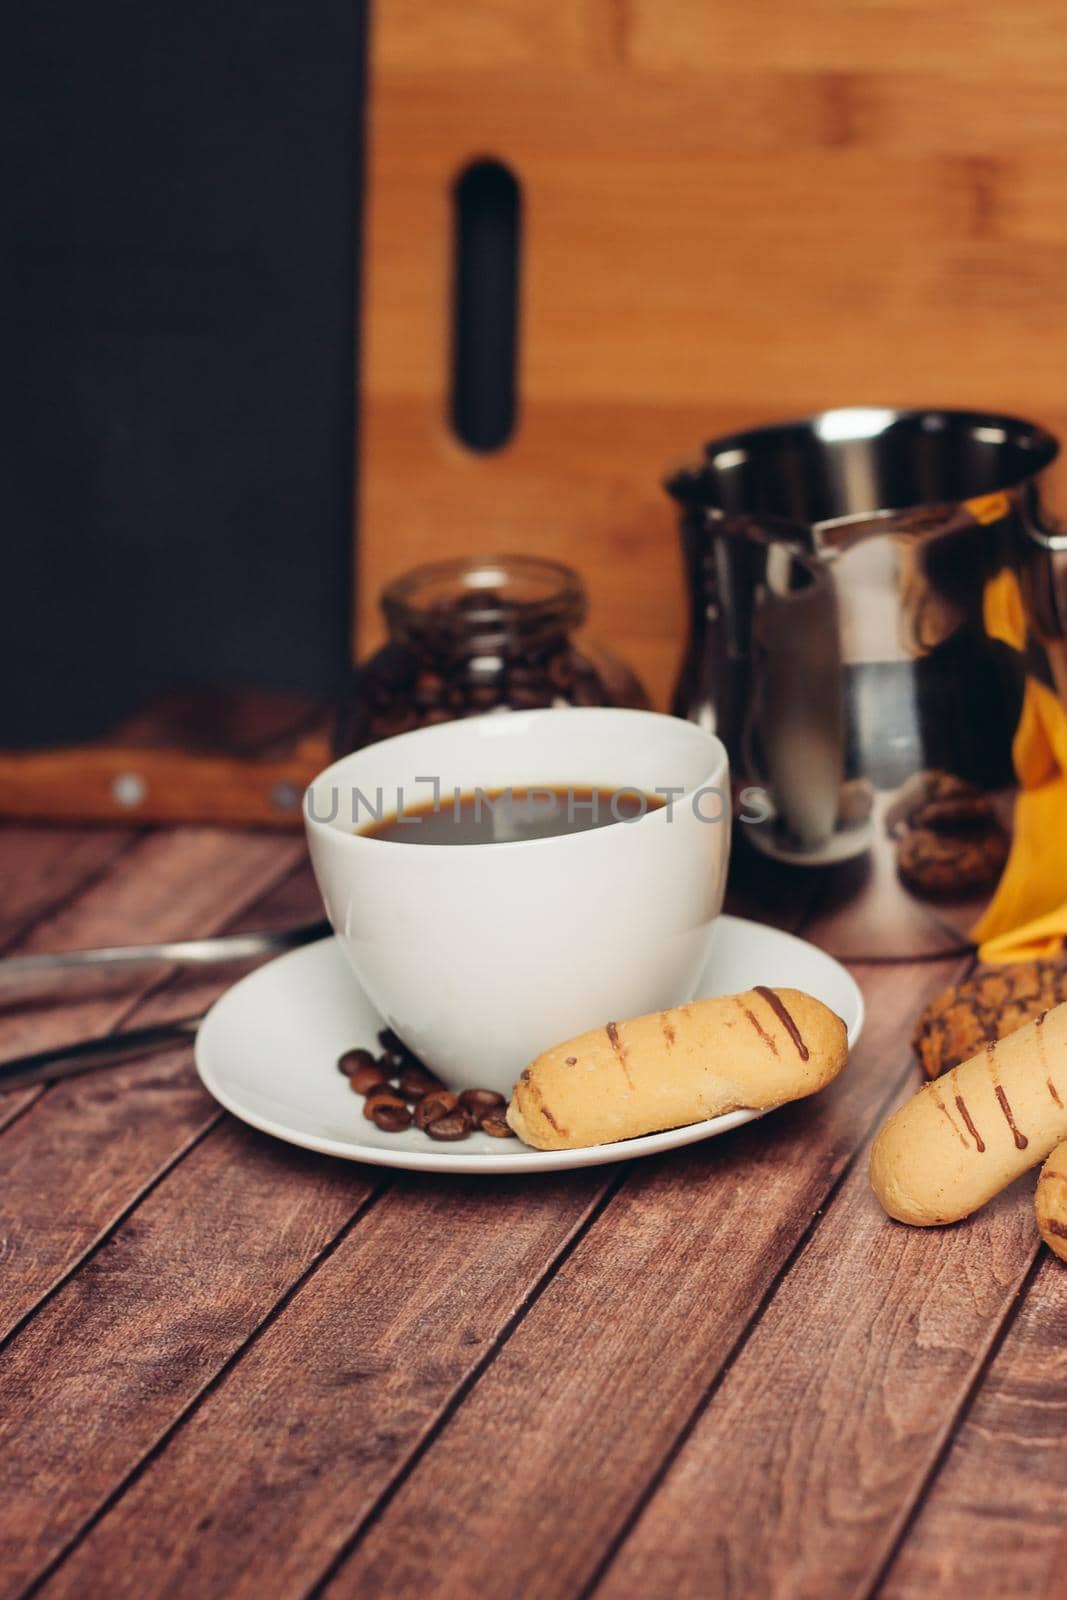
(268, 1052)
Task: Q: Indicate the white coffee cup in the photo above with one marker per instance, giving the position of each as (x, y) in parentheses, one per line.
(481, 956)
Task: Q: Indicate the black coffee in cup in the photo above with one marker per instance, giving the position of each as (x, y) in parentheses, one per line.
(505, 816)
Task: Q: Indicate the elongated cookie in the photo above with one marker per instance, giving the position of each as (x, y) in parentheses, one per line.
(967, 1135)
(756, 1049)
(1050, 1202)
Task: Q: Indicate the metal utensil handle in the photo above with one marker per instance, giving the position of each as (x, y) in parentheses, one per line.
(198, 952)
(66, 1060)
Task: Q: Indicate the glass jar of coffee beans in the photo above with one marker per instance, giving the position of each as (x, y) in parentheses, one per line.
(475, 635)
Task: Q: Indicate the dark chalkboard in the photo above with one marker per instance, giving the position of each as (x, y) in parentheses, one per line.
(178, 282)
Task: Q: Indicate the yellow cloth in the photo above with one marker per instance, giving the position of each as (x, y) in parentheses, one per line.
(1028, 914)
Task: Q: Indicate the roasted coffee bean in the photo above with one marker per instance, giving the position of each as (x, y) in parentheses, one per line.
(383, 1095)
(391, 1116)
(439, 1103)
(366, 1079)
(398, 719)
(587, 692)
(482, 1102)
(393, 668)
(523, 699)
(496, 1124)
(524, 677)
(483, 696)
(528, 687)
(416, 1081)
(395, 1053)
(384, 1085)
(438, 714)
(456, 1125)
(429, 689)
(353, 1060)
(561, 671)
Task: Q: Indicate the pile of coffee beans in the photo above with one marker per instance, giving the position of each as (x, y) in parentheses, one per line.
(449, 673)
(427, 694)
(400, 1092)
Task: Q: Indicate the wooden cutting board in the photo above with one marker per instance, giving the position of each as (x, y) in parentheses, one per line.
(731, 213)
(201, 757)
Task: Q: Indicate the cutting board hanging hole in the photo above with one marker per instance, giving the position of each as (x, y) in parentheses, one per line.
(487, 241)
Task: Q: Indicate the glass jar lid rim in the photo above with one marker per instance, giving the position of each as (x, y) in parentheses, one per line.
(562, 590)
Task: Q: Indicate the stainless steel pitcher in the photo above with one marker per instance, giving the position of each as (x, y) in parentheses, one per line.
(839, 571)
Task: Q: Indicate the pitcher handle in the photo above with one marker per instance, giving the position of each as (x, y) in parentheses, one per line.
(1041, 528)
(1041, 569)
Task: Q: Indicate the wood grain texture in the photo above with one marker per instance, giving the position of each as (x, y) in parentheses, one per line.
(182, 882)
(130, 1341)
(103, 1137)
(826, 1427)
(301, 1436)
(563, 1433)
(760, 1383)
(731, 213)
(994, 1521)
(43, 867)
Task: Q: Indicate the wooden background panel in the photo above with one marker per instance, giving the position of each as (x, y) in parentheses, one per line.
(731, 213)
(949, 34)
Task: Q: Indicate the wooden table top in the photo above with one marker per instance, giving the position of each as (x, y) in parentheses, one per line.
(230, 1368)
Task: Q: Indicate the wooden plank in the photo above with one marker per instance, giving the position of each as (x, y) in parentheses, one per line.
(992, 1524)
(799, 1475)
(94, 1381)
(676, 41)
(759, 109)
(676, 35)
(79, 1157)
(101, 1138)
(264, 1483)
(169, 884)
(557, 1442)
(40, 868)
(180, 883)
